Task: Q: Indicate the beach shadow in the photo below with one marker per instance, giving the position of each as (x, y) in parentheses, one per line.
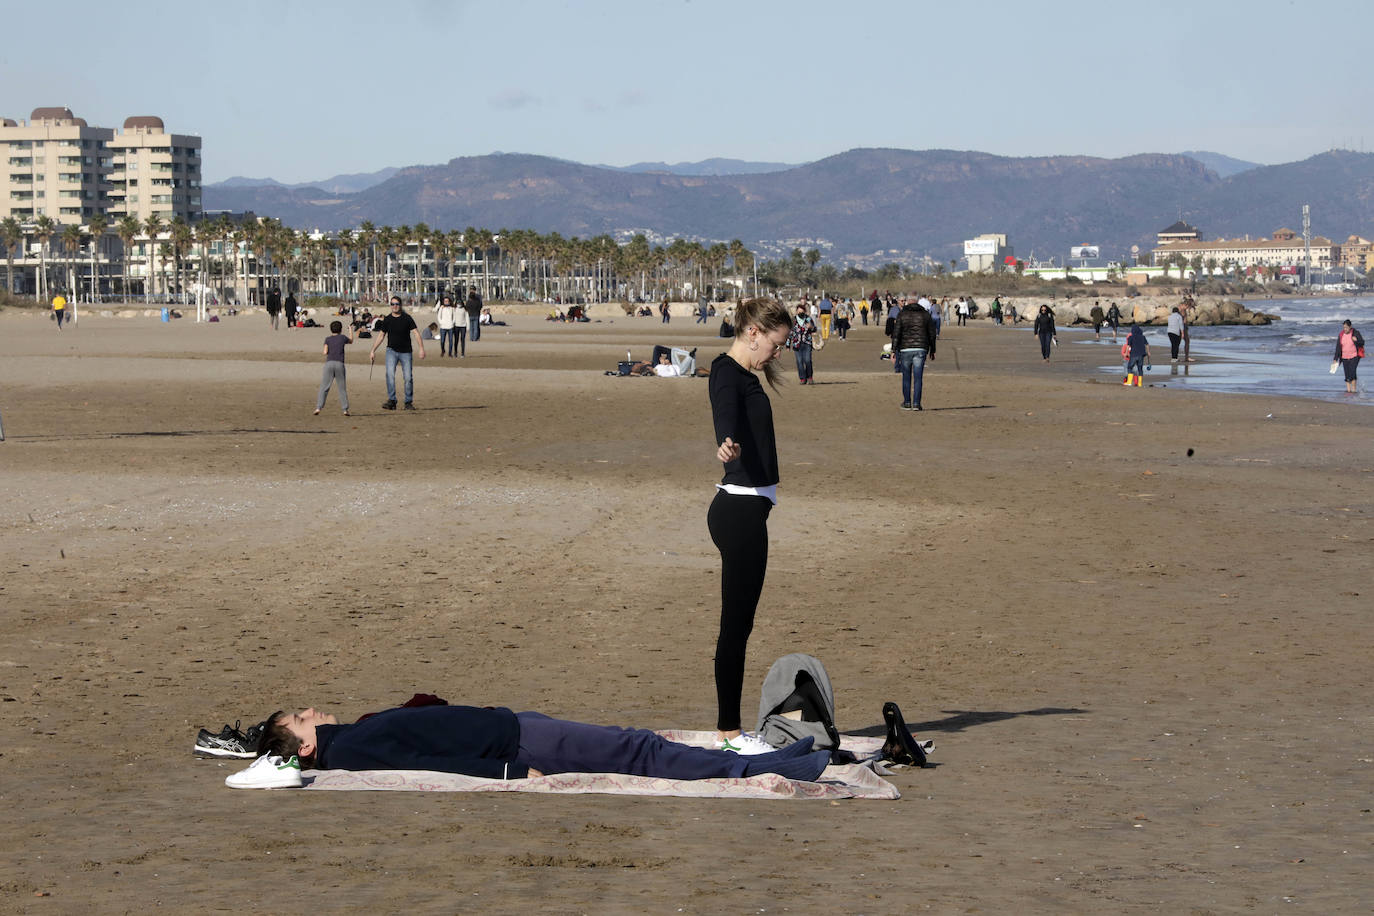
(175, 433)
(966, 407)
(959, 720)
(454, 407)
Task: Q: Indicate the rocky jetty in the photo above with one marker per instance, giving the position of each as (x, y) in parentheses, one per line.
(1147, 310)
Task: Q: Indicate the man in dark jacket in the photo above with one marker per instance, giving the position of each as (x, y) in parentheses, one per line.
(913, 342)
(496, 743)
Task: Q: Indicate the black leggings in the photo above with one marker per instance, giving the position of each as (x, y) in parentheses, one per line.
(462, 333)
(739, 528)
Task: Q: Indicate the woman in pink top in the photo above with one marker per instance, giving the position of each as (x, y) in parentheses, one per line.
(1349, 349)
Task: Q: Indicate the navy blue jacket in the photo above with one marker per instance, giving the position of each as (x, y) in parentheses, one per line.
(449, 739)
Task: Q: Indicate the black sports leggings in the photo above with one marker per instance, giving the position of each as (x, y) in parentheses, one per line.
(739, 528)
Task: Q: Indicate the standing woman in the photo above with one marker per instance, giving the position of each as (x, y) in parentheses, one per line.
(801, 340)
(1175, 333)
(1044, 329)
(1349, 349)
(738, 517)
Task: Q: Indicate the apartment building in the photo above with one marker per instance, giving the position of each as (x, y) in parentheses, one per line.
(154, 172)
(57, 165)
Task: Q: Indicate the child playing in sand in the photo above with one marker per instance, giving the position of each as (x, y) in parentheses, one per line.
(334, 365)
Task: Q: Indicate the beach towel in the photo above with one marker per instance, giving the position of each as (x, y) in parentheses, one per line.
(857, 780)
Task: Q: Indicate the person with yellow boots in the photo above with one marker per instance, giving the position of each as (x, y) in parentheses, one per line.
(1137, 352)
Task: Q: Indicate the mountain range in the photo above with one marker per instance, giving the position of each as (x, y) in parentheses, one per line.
(858, 205)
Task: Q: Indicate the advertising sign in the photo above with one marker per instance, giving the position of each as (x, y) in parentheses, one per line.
(980, 246)
(1083, 251)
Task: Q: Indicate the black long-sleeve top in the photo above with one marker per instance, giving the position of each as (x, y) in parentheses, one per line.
(448, 739)
(740, 409)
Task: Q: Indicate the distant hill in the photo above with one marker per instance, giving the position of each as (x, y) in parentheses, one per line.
(1338, 186)
(1224, 166)
(339, 184)
(706, 167)
(862, 201)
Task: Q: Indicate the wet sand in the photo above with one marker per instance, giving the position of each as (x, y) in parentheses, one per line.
(1146, 672)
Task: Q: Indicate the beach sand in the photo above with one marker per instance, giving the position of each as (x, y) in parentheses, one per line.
(1146, 671)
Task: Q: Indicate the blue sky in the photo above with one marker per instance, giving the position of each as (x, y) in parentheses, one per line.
(286, 89)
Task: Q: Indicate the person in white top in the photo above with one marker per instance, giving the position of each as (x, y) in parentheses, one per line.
(447, 314)
(665, 367)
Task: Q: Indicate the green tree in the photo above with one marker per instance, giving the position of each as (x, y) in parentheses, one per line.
(127, 229)
(11, 234)
(43, 229)
(181, 238)
(152, 228)
(73, 236)
(99, 225)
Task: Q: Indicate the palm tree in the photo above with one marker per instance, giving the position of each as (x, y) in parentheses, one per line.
(182, 237)
(127, 229)
(152, 228)
(367, 239)
(11, 234)
(98, 224)
(72, 238)
(43, 229)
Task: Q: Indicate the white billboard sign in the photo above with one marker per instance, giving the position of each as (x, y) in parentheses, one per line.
(980, 246)
(1083, 251)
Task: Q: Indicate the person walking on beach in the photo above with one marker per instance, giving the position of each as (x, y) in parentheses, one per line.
(962, 310)
(473, 306)
(703, 309)
(291, 307)
(1137, 355)
(1184, 309)
(59, 308)
(1044, 329)
(447, 314)
(800, 341)
(1175, 331)
(826, 310)
(334, 369)
(274, 308)
(1113, 319)
(746, 494)
(664, 311)
(1098, 317)
(1349, 350)
(913, 342)
(394, 330)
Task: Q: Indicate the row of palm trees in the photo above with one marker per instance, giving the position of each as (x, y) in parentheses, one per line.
(373, 261)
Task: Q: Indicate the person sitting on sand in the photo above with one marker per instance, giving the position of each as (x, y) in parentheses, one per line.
(496, 743)
(665, 367)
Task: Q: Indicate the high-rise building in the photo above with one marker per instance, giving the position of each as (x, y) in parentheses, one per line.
(57, 165)
(154, 172)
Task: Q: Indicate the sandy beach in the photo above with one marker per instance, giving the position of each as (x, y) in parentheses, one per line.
(1135, 622)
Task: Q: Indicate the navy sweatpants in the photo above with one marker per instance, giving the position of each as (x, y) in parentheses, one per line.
(558, 746)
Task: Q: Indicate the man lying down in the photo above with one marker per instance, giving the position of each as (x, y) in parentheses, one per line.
(496, 743)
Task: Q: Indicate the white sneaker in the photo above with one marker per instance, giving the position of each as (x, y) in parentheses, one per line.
(745, 744)
(268, 772)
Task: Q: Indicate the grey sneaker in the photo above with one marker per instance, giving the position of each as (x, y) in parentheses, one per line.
(230, 742)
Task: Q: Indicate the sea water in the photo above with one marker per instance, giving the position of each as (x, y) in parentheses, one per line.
(1291, 356)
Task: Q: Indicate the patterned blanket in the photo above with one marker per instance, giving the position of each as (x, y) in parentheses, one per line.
(858, 780)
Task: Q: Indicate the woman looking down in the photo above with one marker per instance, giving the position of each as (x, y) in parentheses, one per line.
(738, 517)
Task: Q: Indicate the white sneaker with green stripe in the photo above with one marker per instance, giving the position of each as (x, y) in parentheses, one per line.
(268, 772)
(745, 744)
